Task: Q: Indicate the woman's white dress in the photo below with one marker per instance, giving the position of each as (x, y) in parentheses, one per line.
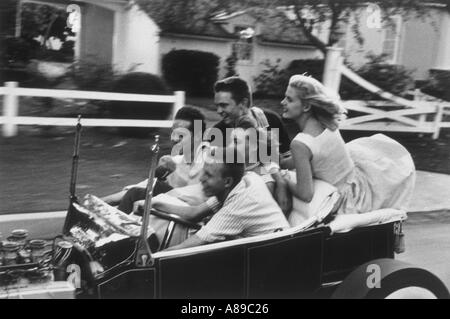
(370, 173)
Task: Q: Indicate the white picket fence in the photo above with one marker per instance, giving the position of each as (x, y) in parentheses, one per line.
(393, 113)
(406, 116)
(11, 119)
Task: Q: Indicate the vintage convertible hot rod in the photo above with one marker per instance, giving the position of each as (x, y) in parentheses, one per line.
(105, 253)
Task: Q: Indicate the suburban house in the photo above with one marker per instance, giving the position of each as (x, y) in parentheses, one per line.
(122, 33)
(119, 32)
(418, 43)
(251, 40)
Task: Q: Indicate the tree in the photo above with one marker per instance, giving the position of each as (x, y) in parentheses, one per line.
(39, 23)
(308, 14)
(305, 15)
(171, 14)
(43, 20)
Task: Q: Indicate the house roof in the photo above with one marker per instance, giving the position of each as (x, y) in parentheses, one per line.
(209, 29)
(275, 27)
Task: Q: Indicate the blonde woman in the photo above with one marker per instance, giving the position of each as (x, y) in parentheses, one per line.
(369, 173)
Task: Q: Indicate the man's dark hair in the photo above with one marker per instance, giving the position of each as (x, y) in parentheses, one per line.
(236, 86)
(191, 114)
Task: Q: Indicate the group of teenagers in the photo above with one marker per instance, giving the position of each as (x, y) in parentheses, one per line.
(246, 194)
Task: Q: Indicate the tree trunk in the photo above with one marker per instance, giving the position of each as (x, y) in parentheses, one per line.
(308, 33)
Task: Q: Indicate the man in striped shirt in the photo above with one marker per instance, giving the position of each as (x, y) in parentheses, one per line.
(242, 205)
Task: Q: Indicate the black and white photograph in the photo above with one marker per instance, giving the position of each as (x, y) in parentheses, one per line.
(224, 155)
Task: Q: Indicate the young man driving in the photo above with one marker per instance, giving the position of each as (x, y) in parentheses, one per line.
(179, 170)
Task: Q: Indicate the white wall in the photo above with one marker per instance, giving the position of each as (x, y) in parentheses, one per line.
(125, 37)
(136, 41)
(373, 40)
(424, 43)
(442, 61)
(247, 70)
(421, 44)
(97, 28)
(270, 51)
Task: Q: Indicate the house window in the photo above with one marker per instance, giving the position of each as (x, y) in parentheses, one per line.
(242, 49)
(391, 42)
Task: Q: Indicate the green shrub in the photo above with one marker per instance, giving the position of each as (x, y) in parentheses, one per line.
(272, 81)
(392, 78)
(18, 62)
(64, 56)
(27, 78)
(438, 84)
(194, 72)
(17, 51)
(90, 76)
(312, 67)
(142, 83)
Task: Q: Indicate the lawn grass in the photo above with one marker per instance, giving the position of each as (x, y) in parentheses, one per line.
(35, 166)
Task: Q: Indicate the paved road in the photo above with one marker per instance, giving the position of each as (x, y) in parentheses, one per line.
(430, 192)
(428, 242)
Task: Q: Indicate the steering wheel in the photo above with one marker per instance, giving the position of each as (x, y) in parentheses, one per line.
(174, 218)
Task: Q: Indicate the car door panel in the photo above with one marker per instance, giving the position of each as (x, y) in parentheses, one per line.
(211, 274)
(285, 268)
